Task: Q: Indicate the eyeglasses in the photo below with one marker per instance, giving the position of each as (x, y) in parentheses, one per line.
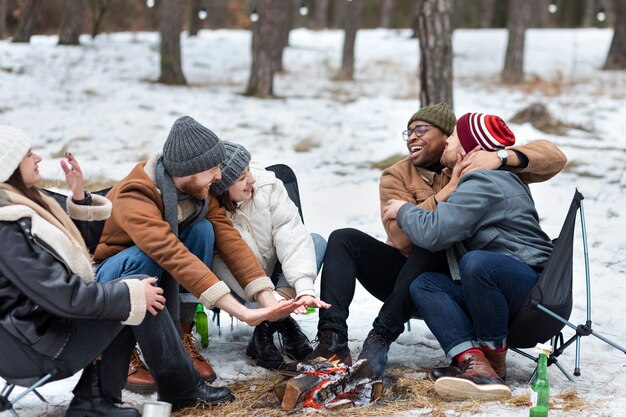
(418, 130)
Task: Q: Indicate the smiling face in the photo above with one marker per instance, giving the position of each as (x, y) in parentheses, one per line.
(197, 185)
(29, 169)
(242, 189)
(426, 150)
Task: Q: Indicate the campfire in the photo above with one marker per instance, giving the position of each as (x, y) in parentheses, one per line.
(329, 384)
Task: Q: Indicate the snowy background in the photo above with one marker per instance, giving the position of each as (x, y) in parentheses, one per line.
(100, 102)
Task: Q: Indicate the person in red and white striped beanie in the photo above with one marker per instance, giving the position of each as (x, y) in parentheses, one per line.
(484, 130)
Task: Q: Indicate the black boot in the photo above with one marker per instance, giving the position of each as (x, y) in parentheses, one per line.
(333, 346)
(262, 347)
(177, 380)
(295, 342)
(88, 400)
(204, 394)
(375, 348)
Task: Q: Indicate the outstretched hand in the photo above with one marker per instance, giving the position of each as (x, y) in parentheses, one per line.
(274, 313)
(154, 296)
(73, 176)
(310, 301)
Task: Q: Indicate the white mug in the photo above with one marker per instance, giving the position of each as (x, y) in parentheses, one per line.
(156, 409)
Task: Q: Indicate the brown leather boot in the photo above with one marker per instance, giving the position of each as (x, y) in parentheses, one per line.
(139, 378)
(477, 380)
(202, 365)
(498, 362)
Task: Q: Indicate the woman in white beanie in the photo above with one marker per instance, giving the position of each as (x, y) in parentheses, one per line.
(261, 210)
(53, 308)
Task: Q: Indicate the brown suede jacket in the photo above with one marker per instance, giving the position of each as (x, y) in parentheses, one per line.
(137, 219)
(403, 181)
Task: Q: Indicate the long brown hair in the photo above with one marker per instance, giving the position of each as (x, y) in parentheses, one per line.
(226, 202)
(32, 193)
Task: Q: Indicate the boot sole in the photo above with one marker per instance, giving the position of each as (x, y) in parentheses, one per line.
(464, 389)
(141, 388)
(89, 413)
(178, 404)
(264, 364)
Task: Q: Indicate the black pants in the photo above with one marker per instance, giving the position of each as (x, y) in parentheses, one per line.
(160, 345)
(384, 272)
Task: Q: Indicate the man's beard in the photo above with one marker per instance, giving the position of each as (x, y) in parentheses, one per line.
(195, 189)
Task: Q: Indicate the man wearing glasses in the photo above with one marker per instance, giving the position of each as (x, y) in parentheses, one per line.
(386, 270)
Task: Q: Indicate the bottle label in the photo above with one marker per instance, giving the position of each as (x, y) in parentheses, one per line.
(533, 398)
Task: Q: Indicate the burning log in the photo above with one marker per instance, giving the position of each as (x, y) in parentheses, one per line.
(324, 384)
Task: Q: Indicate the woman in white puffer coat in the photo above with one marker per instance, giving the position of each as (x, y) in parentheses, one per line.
(268, 220)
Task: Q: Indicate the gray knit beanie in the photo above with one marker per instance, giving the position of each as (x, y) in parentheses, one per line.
(237, 159)
(439, 115)
(191, 148)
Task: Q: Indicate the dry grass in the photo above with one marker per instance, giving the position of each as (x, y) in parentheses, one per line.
(305, 145)
(93, 184)
(255, 398)
(387, 162)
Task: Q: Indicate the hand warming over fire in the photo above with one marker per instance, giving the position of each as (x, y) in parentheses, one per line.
(310, 301)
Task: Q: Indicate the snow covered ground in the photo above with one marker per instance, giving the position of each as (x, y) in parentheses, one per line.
(99, 101)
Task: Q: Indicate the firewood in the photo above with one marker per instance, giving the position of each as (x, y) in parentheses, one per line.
(340, 405)
(279, 390)
(294, 389)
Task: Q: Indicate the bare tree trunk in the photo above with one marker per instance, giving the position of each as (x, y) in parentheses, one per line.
(170, 25)
(72, 23)
(194, 19)
(99, 9)
(517, 21)
(486, 13)
(3, 18)
(351, 25)
(589, 13)
(434, 26)
(616, 59)
(319, 20)
(265, 33)
(28, 15)
(386, 17)
(284, 17)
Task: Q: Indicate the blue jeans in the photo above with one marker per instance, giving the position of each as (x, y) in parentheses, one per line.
(477, 312)
(198, 238)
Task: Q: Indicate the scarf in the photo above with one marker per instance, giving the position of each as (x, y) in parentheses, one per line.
(53, 227)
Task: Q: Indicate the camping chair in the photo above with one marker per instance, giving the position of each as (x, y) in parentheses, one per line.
(547, 307)
(21, 366)
(288, 177)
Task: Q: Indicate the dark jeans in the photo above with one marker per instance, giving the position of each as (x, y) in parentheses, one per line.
(477, 312)
(384, 272)
(160, 345)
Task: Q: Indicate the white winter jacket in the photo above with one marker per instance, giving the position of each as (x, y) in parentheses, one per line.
(271, 225)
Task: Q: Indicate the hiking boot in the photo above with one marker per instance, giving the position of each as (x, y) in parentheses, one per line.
(139, 377)
(88, 400)
(202, 365)
(295, 342)
(331, 346)
(375, 348)
(497, 361)
(262, 348)
(202, 394)
(477, 380)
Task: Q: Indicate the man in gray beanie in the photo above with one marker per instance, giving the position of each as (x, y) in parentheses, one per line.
(164, 220)
(388, 269)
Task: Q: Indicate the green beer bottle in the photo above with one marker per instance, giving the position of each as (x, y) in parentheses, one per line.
(540, 388)
(202, 326)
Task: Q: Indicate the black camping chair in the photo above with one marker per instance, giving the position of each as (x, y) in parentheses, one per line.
(21, 366)
(288, 177)
(547, 307)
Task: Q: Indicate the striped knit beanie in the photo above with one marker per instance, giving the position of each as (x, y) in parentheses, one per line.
(191, 148)
(485, 130)
(439, 115)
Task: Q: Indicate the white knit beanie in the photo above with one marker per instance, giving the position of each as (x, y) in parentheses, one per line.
(14, 145)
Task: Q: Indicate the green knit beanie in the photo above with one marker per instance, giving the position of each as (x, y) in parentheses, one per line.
(440, 115)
